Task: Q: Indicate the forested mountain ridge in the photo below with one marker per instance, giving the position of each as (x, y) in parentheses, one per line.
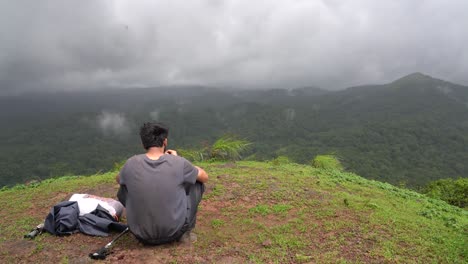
(410, 131)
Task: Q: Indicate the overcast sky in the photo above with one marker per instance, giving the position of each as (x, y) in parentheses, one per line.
(333, 44)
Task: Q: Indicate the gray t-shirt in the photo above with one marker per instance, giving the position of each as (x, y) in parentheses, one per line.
(155, 197)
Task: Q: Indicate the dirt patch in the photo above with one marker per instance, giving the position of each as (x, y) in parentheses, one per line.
(315, 195)
(231, 260)
(17, 247)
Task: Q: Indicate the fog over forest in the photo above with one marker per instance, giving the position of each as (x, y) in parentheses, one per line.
(89, 45)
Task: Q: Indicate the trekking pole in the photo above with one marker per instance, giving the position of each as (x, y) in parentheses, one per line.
(104, 251)
(36, 231)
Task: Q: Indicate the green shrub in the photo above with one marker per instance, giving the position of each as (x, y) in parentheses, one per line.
(193, 155)
(228, 148)
(118, 165)
(454, 192)
(326, 162)
(280, 160)
(225, 148)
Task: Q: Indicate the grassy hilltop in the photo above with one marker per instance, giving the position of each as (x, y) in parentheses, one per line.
(253, 212)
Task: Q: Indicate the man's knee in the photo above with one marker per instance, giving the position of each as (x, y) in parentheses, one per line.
(122, 195)
(201, 187)
(195, 189)
(199, 190)
(195, 195)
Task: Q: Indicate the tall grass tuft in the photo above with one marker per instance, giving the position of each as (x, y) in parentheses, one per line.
(327, 162)
(228, 148)
(193, 155)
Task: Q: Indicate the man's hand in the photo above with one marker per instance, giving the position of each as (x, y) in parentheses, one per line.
(171, 152)
(202, 175)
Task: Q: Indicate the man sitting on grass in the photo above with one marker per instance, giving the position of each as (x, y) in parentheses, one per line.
(160, 190)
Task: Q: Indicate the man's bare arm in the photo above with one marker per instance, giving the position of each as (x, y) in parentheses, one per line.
(202, 175)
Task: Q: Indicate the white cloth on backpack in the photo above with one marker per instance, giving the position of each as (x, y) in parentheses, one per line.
(88, 203)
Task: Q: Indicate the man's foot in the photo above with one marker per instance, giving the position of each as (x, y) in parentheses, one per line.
(188, 238)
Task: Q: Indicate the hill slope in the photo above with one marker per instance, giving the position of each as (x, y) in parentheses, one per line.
(411, 131)
(258, 212)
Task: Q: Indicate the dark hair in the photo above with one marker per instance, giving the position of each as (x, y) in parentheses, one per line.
(153, 134)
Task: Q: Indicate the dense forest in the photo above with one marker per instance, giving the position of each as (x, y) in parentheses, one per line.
(411, 131)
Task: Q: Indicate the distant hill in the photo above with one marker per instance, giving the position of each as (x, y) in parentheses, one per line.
(259, 212)
(410, 131)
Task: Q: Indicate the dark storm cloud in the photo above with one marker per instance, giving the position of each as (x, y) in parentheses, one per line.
(95, 44)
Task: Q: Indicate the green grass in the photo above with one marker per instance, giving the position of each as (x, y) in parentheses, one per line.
(261, 209)
(217, 223)
(263, 213)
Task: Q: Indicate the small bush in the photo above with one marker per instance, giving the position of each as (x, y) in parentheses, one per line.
(228, 148)
(118, 165)
(280, 160)
(193, 155)
(454, 192)
(326, 162)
